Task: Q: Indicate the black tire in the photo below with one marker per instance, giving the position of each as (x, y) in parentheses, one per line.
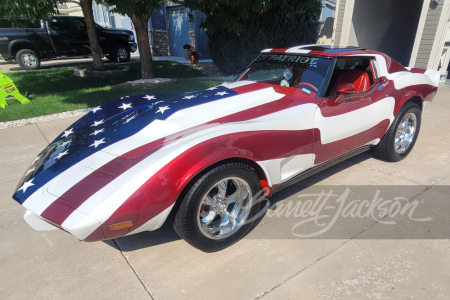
(120, 53)
(186, 220)
(386, 148)
(28, 59)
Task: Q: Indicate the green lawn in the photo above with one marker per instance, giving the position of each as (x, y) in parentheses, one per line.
(58, 90)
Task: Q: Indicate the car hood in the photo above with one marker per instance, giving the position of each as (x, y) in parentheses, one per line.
(109, 124)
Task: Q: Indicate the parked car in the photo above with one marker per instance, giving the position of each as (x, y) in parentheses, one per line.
(203, 159)
(60, 36)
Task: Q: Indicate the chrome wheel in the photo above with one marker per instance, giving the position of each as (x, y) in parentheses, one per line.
(224, 208)
(29, 59)
(405, 134)
(122, 54)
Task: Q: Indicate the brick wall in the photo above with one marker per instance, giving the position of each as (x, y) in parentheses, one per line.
(160, 42)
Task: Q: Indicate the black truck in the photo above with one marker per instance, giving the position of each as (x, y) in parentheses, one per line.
(60, 36)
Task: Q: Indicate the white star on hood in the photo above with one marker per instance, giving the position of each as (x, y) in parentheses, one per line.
(149, 97)
(221, 94)
(162, 109)
(26, 185)
(96, 143)
(125, 106)
(212, 88)
(96, 123)
(190, 97)
(95, 109)
(97, 131)
(68, 132)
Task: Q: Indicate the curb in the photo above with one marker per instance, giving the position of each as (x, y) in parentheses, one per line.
(45, 118)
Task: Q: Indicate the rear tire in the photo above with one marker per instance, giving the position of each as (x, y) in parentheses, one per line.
(214, 213)
(28, 59)
(401, 136)
(120, 53)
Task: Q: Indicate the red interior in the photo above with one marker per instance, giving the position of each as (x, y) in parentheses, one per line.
(359, 78)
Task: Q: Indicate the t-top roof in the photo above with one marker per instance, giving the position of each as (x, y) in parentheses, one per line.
(324, 50)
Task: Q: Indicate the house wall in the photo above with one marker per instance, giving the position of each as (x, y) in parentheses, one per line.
(428, 36)
(201, 40)
(339, 21)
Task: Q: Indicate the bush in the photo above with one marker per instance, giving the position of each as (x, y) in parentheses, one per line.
(232, 53)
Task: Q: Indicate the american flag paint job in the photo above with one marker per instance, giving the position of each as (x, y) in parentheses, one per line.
(131, 158)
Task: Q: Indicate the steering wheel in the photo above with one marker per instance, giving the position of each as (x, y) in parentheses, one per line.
(316, 90)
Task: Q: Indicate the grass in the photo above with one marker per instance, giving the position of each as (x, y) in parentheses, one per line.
(58, 90)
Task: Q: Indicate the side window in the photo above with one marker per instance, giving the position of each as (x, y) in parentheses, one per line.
(80, 24)
(355, 70)
(59, 24)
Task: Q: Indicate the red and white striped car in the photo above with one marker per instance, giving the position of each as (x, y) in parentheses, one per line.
(205, 157)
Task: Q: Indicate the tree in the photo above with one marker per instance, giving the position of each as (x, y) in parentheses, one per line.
(140, 12)
(239, 30)
(41, 9)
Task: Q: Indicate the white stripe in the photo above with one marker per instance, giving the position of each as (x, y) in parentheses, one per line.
(237, 84)
(42, 198)
(153, 223)
(342, 126)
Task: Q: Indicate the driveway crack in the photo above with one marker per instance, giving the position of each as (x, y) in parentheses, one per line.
(134, 271)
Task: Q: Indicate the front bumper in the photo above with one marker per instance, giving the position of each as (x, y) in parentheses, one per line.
(133, 46)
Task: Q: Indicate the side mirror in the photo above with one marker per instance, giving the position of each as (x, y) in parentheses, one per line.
(346, 88)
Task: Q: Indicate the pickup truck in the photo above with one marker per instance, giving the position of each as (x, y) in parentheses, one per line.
(60, 36)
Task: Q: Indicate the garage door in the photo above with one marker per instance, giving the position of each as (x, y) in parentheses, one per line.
(178, 22)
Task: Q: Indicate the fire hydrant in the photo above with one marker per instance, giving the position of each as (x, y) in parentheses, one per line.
(8, 88)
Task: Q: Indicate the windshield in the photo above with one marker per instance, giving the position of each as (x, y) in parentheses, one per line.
(307, 73)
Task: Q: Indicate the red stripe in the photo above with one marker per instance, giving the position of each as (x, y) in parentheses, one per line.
(335, 149)
(281, 50)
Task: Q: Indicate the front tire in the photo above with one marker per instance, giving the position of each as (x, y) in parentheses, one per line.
(120, 53)
(215, 212)
(401, 136)
(28, 59)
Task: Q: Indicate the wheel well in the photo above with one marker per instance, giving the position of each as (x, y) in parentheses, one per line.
(20, 46)
(259, 171)
(417, 100)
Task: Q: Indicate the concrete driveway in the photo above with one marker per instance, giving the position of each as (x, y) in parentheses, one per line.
(361, 259)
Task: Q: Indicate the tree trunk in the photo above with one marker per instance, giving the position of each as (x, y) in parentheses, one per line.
(140, 24)
(86, 7)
